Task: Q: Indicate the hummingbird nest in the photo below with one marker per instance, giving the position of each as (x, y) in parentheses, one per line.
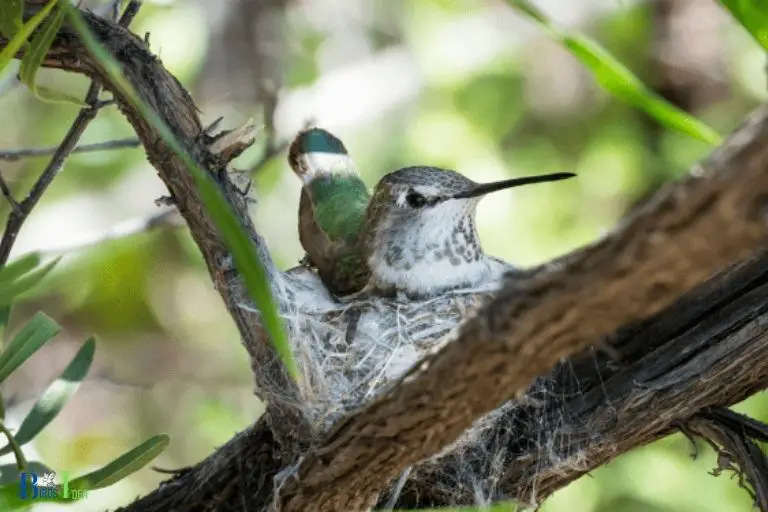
(349, 351)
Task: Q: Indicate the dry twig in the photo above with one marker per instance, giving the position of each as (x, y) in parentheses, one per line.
(17, 154)
(20, 213)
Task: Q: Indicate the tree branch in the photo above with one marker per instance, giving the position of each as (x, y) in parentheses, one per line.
(20, 212)
(17, 154)
(704, 350)
(734, 438)
(688, 232)
(691, 230)
(701, 352)
(162, 92)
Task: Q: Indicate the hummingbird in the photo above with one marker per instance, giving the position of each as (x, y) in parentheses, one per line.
(420, 238)
(332, 207)
(414, 236)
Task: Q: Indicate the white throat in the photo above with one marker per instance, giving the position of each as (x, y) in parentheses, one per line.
(429, 253)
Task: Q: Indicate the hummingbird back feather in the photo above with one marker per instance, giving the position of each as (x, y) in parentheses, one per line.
(332, 209)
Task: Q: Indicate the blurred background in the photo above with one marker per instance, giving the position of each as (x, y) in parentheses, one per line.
(461, 84)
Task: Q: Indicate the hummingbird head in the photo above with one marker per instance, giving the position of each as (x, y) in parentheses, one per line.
(420, 235)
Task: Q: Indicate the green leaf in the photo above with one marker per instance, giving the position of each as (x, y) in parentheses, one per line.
(618, 80)
(10, 290)
(615, 78)
(238, 242)
(10, 500)
(753, 16)
(9, 485)
(18, 453)
(18, 41)
(53, 96)
(55, 396)
(38, 46)
(10, 17)
(18, 268)
(9, 473)
(35, 54)
(5, 315)
(36, 333)
(496, 507)
(124, 465)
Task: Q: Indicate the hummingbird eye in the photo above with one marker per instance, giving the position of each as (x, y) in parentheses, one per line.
(415, 200)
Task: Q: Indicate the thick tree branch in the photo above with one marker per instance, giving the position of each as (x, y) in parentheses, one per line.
(688, 232)
(691, 230)
(730, 184)
(707, 349)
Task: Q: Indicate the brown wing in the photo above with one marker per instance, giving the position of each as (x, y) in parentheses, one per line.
(328, 257)
(314, 241)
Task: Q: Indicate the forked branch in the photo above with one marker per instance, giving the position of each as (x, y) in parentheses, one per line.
(690, 231)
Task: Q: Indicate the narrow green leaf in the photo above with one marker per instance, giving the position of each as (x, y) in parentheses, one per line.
(615, 78)
(5, 315)
(10, 500)
(55, 396)
(49, 95)
(10, 481)
(10, 17)
(533, 13)
(18, 268)
(496, 507)
(753, 16)
(124, 465)
(10, 291)
(38, 46)
(21, 461)
(9, 473)
(35, 54)
(618, 80)
(244, 253)
(18, 41)
(36, 333)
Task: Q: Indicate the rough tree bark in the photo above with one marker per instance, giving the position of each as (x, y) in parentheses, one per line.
(623, 290)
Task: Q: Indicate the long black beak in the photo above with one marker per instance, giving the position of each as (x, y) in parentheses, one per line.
(487, 188)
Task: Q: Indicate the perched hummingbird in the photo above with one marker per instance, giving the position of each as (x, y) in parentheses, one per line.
(415, 235)
(420, 239)
(332, 210)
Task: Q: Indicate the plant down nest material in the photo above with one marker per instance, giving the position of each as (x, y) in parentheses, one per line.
(350, 351)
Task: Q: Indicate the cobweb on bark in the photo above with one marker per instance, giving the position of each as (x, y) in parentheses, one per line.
(349, 352)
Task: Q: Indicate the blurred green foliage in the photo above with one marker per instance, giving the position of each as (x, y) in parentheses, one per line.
(492, 96)
(15, 278)
(617, 79)
(753, 16)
